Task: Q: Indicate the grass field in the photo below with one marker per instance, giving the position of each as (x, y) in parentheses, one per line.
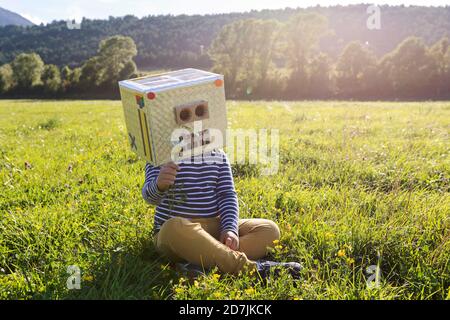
(359, 184)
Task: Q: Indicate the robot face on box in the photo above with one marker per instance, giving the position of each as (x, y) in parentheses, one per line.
(175, 115)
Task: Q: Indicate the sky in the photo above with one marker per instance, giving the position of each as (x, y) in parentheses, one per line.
(44, 11)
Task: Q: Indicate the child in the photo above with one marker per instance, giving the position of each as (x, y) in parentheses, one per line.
(196, 218)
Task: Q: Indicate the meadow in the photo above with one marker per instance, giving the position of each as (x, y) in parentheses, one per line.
(361, 186)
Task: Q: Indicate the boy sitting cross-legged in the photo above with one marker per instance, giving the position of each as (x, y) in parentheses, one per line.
(197, 217)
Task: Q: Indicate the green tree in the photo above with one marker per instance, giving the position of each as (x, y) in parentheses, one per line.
(6, 78)
(70, 78)
(243, 52)
(302, 33)
(113, 62)
(261, 45)
(440, 52)
(410, 68)
(115, 59)
(129, 70)
(74, 78)
(27, 69)
(66, 73)
(90, 74)
(227, 51)
(319, 76)
(51, 78)
(355, 70)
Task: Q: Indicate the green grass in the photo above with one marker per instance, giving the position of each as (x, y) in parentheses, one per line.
(359, 184)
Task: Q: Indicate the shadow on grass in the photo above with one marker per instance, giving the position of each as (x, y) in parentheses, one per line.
(143, 274)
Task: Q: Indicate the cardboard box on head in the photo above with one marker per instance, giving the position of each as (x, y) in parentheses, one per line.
(174, 115)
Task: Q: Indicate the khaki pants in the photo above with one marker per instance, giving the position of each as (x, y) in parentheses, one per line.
(196, 241)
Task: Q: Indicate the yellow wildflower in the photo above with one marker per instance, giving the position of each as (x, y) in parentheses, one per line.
(250, 291)
(329, 235)
(341, 253)
(88, 278)
(350, 261)
(216, 277)
(179, 290)
(276, 242)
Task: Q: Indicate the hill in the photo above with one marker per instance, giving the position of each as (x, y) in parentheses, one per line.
(11, 18)
(168, 41)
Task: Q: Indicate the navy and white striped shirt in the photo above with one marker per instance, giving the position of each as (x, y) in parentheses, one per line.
(203, 188)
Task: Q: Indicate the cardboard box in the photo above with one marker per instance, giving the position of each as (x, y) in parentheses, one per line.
(174, 115)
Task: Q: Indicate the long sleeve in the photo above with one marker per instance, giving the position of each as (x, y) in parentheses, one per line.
(150, 191)
(227, 198)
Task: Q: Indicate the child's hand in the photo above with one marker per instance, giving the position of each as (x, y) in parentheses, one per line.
(167, 175)
(229, 239)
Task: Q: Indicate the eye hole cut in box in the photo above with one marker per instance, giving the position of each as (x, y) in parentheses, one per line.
(193, 111)
(152, 115)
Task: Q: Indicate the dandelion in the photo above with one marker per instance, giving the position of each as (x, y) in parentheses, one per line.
(234, 295)
(249, 291)
(329, 235)
(217, 295)
(216, 277)
(341, 253)
(88, 278)
(279, 247)
(179, 290)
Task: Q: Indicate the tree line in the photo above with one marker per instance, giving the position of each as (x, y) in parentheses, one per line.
(260, 59)
(273, 60)
(177, 41)
(28, 76)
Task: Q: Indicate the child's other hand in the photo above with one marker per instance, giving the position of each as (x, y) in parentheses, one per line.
(167, 175)
(229, 239)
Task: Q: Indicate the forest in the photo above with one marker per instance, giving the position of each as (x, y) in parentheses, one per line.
(314, 53)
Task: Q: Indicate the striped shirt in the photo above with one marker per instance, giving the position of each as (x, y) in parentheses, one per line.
(203, 188)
